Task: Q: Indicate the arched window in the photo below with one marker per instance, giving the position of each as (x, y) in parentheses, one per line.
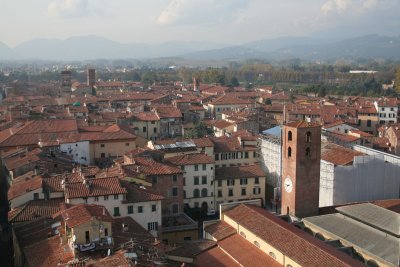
(308, 137)
(289, 136)
(196, 193)
(308, 152)
(289, 152)
(204, 192)
(257, 244)
(272, 255)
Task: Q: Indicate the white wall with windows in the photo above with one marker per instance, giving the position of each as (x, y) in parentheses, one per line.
(199, 185)
(79, 151)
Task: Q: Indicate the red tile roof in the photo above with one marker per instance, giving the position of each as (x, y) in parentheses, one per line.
(220, 230)
(21, 188)
(83, 213)
(234, 172)
(215, 257)
(338, 155)
(246, 253)
(302, 124)
(191, 159)
(168, 112)
(36, 209)
(294, 243)
(48, 252)
(229, 144)
(139, 194)
(99, 187)
(146, 116)
(150, 167)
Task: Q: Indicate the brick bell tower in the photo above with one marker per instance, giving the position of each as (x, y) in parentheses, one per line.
(301, 156)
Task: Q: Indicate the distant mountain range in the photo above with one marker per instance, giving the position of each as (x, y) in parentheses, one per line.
(307, 48)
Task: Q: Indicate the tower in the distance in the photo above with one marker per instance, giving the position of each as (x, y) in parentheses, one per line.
(91, 77)
(301, 156)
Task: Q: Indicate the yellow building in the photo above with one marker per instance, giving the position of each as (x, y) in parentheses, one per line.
(88, 224)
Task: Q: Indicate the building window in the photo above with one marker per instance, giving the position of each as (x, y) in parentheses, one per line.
(153, 207)
(152, 226)
(96, 198)
(243, 181)
(196, 193)
(289, 136)
(246, 155)
(243, 191)
(102, 145)
(272, 255)
(187, 238)
(219, 183)
(102, 155)
(154, 179)
(154, 130)
(35, 196)
(174, 191)
(116, 211)
(203, 179)
(184, 194)
(204, 167)
(289, 152)
(308, 152)
(216, 156)
(230, 182)
(257, 244)
(184, 181)
(369, 123)
(175, 178)
(219, 193)
(105, 197)
(116, 196)
(153, 122)
(230, 192)
(196, 180)
(196, 167)
(144, 129)
(204, 192)
(256, 190)
(308, 137)
(105, 232)
(130, 209)
(256, 180)
(140, 209)
(175, 208)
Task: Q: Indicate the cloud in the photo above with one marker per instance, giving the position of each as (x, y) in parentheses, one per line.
(68, 8)
(200, 11)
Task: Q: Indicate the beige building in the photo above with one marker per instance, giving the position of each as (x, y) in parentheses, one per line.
(368, 119)
(198, 185)
(239, 183)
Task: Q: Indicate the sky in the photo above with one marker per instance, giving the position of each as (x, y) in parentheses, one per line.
(217, 21)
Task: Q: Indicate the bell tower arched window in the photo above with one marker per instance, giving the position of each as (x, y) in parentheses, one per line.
(308, 152)
(289, 138)
(308, 137)
(289, 152)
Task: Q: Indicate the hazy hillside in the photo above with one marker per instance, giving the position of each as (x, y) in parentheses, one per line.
(94, 47)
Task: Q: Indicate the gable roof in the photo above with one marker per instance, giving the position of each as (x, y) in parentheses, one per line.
(83, 213)
(94, 187)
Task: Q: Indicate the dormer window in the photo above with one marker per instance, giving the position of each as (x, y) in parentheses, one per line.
(308, 137)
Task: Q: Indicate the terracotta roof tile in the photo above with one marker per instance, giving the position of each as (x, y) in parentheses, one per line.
(246, 253)
(296, 244)
(191, 159)
(338, 155)
(139, 194)
(150, 167)
(302, 124)
(215, 257)
(36, 209)
(21, 188)
(83, 213)
(98, 187)
(220, 230)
